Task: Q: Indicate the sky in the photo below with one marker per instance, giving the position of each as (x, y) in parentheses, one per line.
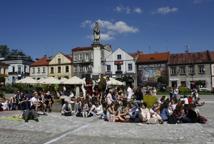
(45, 27)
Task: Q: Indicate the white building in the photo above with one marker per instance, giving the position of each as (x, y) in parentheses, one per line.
(120, 64)
(90, 61)
(39, 69)
(19, 67)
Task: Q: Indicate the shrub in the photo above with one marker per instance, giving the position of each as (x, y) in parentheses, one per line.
(150, 100)
(184, 90)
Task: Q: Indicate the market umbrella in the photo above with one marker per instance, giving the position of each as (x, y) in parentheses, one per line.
(113, 81)
(27, 80)
(74, 81)
(49, 80)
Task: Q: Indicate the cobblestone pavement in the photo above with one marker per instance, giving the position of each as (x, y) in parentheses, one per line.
(56, 129)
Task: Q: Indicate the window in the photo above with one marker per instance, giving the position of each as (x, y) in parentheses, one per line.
(182, 70)
(59, 69)
(108, 68)
(52, 70)
(191, 70)
(118, 67)
(13, 69)
(19, 69)
(87, 57)
(81, 56)
(59, 60)
(129, 67)
(67, 69)
(81, 69)
(38, 70)
(119, 57)
(201, 69)
(43, 70)
(25, 68)
(183, 83)
(33, 72)
(173, 71)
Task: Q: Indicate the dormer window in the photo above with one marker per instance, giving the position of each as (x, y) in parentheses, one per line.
(119, 57)
(59, 60)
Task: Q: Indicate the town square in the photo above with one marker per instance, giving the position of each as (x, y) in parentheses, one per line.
(103, 72)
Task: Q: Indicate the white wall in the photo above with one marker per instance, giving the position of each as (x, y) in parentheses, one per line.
(125, 58)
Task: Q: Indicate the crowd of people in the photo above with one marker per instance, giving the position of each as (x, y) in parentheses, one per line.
(113, 104)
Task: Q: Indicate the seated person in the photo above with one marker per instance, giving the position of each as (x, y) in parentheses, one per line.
(66, 109)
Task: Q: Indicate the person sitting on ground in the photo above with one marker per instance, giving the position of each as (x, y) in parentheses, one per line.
(66, 109)
(164, 111)
(144, 113)
(85, 108)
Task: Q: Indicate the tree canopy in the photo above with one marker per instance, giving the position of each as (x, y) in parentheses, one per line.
(6, 52)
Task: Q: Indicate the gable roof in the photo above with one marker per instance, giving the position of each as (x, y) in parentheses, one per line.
(153, 58)
(189, 58)
(41, 62)
(69, 57)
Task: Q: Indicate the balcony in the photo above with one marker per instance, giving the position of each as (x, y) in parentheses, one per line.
(118, 72)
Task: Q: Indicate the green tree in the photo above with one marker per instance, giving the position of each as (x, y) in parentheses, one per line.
(4, 51)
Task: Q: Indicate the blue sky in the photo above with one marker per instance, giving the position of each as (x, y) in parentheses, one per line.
(40, 27)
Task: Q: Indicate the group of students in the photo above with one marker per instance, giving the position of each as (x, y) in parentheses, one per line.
(119, 105)
(30, 103)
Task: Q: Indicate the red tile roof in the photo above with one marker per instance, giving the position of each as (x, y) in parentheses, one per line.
(41, 62)
(189, 58)
(212, 56)
(153, 58)
(69, 57)
(81, 49)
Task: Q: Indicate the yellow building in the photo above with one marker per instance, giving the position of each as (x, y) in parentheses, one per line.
(60, 66)
(3, 72)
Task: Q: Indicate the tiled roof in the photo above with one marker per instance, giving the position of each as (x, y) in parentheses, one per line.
(212, 56)
(41, 62)
(82, 49)
(69, 57)
(153, 58)
(189, 58)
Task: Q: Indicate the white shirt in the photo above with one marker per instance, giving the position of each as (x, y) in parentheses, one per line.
(109, 98)
(130, 93)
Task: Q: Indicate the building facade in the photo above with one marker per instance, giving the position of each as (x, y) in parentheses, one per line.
(60, 66)
(192, 70)
(39, 68)
(151, 67)
(212, 69)
(3, 73)
(120, 64)
(89, 61)
(82, 61)
(19, 67)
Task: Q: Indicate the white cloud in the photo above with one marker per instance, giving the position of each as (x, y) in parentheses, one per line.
(85, 23)
(165, 10)
(106, 36)
(111, 29)
(128, 10)
(117, 27)
(138, 10)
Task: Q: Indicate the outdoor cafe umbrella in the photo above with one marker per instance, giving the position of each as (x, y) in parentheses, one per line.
(49, 80)
(113, 81)
(27, 80)
(74, 81)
